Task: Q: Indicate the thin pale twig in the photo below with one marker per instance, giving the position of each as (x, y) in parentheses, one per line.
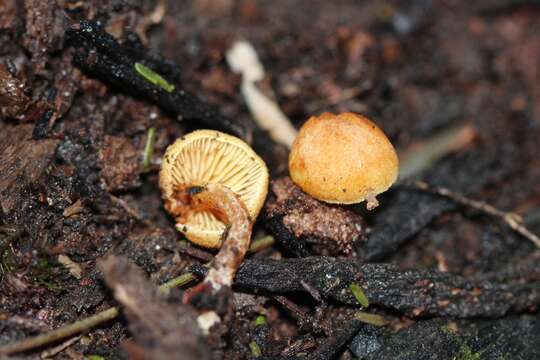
(513, 220)
(312, 291)
(297, 312)
(261, 244)
(60, 333)
(59, 348)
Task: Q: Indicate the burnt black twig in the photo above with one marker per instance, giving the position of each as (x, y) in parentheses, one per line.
(511, 336)
(101, 55)
(415, 293)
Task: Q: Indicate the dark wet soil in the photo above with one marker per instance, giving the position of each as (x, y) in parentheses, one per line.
(450, 282)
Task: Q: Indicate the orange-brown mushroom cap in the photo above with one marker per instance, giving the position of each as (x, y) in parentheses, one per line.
(342, 159)
(208, 156)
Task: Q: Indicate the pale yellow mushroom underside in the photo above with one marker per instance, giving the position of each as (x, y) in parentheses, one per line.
(208, 156)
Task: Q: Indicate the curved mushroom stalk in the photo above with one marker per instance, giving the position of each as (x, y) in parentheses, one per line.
(229, 209)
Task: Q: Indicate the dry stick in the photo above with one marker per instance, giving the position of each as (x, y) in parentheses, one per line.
(82, 325)
(312, 291)
(513, 220)
(60, 333)
(195, 252)
(59, 348)
(261, 244)
(422, 155)
(292, 307)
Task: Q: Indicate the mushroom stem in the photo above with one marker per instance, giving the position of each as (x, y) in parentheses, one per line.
(228, 208)
(372, 202)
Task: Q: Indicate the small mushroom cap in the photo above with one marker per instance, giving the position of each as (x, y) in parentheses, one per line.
(342, 159)
(208, 156)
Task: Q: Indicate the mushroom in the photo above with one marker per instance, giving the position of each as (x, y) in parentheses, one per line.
(343, 159)
(214, 185)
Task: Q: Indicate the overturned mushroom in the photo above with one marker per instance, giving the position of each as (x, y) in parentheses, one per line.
(343, 159)
(214, 185)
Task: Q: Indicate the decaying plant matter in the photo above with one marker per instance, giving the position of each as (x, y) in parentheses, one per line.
(13, 100)
(304, 225)
(162, 330)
